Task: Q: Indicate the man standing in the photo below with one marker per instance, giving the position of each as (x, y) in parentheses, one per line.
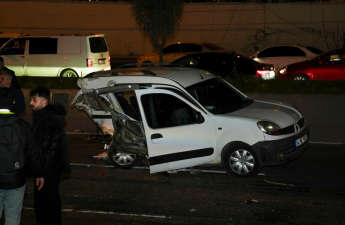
(6, 79)
(51, 139)
(18, 150)
(14, 82)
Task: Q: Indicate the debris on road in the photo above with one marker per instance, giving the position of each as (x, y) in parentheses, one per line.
(280, 184)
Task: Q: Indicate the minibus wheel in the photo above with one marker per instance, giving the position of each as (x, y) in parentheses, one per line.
(68, 73)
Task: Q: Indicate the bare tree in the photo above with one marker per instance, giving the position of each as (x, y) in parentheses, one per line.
(158, 19)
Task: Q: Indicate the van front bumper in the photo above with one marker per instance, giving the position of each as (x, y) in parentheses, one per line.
(281, 151)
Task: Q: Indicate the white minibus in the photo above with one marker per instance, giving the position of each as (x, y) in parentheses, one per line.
(56, 56)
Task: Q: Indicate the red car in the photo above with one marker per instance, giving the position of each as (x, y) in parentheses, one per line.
(328, 66)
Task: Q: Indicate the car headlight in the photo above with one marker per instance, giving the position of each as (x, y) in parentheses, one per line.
(269, 128)
(283, 71)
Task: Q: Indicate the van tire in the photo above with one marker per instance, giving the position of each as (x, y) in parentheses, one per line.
(122, 160)
(68, 73)
(240, 160)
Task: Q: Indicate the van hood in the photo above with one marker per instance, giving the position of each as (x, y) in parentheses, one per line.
(282, 114)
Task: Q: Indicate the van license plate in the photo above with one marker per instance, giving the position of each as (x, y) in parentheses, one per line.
(301, 140)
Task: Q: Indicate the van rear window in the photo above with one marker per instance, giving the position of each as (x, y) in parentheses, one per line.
(98, 44)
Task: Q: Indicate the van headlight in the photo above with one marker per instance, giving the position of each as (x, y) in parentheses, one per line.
(269, 128)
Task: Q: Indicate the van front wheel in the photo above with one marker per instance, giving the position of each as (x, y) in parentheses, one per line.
(240, 160)
(68, 73)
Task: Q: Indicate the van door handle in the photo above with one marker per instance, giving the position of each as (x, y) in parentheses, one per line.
(156, 138)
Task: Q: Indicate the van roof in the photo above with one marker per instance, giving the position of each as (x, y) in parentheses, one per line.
(184, 76)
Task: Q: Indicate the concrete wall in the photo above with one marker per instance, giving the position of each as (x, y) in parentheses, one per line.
(243, 27)
(324, 114)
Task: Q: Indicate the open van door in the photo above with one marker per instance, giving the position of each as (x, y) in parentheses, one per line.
(178, 134)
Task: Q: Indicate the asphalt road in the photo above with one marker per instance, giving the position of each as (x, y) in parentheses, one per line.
(309, 190)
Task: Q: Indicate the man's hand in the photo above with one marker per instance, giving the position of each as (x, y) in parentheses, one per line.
(39, 183)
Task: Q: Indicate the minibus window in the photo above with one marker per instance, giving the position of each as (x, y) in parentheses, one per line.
(98, 44)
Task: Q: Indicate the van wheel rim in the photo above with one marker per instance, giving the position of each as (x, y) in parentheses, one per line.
(69, 74)
(241, 161)
(124, 159)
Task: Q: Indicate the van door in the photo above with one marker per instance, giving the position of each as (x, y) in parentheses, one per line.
(176, 136)
(15, 55)
(42, 57)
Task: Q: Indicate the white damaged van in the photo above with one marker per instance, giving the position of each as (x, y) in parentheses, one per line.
(183, 117)
(56, 56)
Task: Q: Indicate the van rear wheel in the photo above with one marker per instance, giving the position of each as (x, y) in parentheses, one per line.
(68, 73)
(122, 160)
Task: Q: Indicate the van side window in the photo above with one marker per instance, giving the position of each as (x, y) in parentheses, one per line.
(14, 47)
(163, 110)
(43, 46)
(98, 44)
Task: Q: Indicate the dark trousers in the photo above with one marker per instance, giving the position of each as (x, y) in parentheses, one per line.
(48, 202)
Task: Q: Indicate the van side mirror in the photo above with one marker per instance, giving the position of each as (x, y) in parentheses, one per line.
(199, 118)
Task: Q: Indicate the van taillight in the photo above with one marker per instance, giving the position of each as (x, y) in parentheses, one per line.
(89, 62)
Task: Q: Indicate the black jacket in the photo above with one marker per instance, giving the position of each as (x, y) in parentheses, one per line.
(20, 101)
(51, 139)
(17, 179)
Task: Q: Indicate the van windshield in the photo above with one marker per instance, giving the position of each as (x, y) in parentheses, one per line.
(218, 97)
(3, 41)
(98, 44)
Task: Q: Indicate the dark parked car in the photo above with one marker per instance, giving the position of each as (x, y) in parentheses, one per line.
(328, 66)
(226, 64)
(177, 50)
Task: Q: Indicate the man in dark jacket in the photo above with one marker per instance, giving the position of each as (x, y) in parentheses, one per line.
(6, 79)
(51, 139)
(13, 182)
(15, 82)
